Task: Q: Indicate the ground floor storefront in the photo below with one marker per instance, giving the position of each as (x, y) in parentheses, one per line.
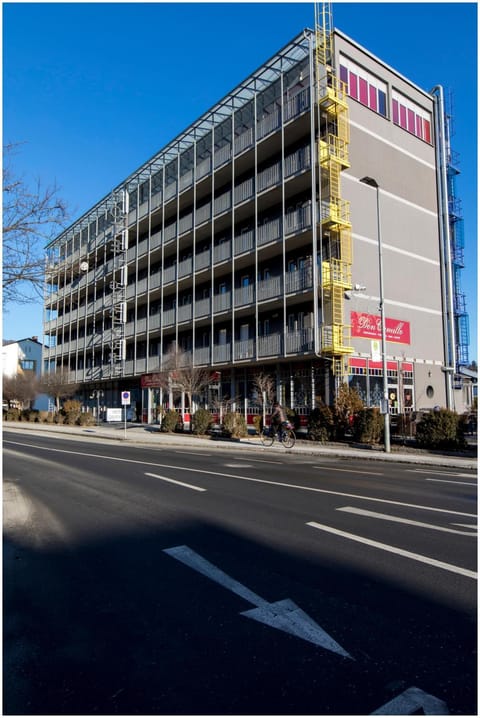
(300, 386)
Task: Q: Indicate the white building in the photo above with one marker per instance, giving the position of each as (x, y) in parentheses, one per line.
(24, 355)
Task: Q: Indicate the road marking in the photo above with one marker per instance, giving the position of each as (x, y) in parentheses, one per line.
(239, 466)
(393, 549)
(284, 615)
(410, 702)
(439, 473)
(173, 481)
(449, 481)
(351, 471)
(397, 519)
(245, 478)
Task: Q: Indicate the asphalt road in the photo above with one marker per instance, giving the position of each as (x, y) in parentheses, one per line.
(167, 581)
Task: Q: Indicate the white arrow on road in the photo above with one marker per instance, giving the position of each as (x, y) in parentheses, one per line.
(284, 615)
(411, 701)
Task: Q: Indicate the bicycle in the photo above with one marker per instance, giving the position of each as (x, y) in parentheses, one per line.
(285, 435)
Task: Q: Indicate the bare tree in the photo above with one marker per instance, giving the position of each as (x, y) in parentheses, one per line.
(20, 390)
(179, 375)
(58, 385)
(32, 215)
(265, 386)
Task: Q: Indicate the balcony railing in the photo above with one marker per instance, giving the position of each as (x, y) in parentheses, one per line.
(222, 251)
(222, 302)
(222, 353)
(268, 288)
(244, 295)
(270, 345)
(202, 307)
(269, 232)
(300, 341)
(244, 242)
(244, 349)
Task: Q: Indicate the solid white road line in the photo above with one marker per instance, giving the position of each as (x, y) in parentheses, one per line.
(397, 519)
(393, 549)
(179, 483)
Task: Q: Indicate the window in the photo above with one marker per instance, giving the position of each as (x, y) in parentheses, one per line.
(364, 87)
(410, 117)
(28, 364)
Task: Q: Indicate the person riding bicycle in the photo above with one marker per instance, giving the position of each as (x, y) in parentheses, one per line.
(278, 417)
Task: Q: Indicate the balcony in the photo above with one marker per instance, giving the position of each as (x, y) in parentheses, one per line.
(268, 288)
(244, 349)
(269, 232)
(222, 302)
(270, 346)
(244, 296)
(299, 342)
(222, 353)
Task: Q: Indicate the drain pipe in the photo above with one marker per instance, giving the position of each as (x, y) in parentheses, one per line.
(445, 244)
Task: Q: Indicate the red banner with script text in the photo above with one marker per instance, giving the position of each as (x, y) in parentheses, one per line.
(369, 326)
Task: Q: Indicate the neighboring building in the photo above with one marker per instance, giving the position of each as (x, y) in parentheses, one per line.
(251, 243)
(22, 357)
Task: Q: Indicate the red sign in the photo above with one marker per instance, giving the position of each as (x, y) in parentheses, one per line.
(369, 326)
(150, 381)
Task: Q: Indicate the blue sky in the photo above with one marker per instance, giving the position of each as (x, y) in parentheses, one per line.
(96, 89)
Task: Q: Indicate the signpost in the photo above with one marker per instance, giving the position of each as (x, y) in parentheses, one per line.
(125, 403)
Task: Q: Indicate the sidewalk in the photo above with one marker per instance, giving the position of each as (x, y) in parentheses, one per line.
(146, 435)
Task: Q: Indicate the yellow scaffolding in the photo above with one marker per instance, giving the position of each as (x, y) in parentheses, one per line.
(334, 137)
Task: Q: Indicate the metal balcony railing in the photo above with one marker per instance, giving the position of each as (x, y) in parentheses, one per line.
(269, 232)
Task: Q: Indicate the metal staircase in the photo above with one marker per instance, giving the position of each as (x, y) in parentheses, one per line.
(336, 238)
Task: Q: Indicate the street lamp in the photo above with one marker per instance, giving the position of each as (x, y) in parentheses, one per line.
(371, 182)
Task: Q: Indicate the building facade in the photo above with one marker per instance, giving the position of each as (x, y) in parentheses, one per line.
(250, 244)
(24, 357)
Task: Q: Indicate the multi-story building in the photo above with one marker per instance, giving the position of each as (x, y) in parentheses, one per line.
(251, 243)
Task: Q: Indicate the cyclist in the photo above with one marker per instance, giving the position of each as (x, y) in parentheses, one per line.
(278, 417)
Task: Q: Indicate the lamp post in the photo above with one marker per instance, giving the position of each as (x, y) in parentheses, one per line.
(371, 182)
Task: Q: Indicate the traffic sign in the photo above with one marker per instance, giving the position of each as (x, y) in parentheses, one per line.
(125, 398)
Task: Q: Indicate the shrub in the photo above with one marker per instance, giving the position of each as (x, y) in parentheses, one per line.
(86, 419)
(12, 415)
(170, 420)
(257, 423)
(368, 426)
(440, 430)
(59, 418)
(72, 405)
(234, 425)
(201, 421)
(347, 404)
(29, 415)
(320, 425)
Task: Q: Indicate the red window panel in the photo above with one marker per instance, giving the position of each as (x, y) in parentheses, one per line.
(363, 91)
(373, 97)
(419, 131)
(353, 90)
(403, 117)
(411, 121)
(426, 131)
(395, 111)
(357, 362)
(344, 74)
